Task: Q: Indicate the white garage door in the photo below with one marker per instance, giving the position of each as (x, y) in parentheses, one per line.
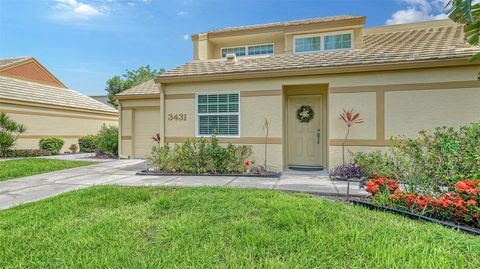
(147, 124)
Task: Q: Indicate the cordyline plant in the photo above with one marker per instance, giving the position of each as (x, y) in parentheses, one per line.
(350, 117)
(157, 139)
(9, 132)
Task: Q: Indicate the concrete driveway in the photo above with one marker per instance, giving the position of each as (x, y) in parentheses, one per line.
(122, 172)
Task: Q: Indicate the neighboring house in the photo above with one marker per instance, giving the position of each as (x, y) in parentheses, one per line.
(401, 78)
(33, 96)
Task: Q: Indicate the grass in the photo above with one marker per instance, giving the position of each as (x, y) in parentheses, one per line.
(161, 227)
(32, 166)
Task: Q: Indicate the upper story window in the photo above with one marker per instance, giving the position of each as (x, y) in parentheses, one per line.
(323, 42)
(218, 114)
(249, 50)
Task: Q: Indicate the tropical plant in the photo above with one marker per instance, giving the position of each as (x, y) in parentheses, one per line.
(73, 148)
(157, 139)
(266, 127)
(52, 144)
(350, 118)
(467, 12)
(107, 140)
(9, 132)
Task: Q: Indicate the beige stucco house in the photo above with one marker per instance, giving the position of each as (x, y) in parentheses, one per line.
(401, 78)
(34, 97)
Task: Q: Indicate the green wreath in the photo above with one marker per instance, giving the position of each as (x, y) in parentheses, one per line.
(305, 113)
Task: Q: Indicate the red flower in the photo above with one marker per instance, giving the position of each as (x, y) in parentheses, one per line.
(471, 202)
(247, 163)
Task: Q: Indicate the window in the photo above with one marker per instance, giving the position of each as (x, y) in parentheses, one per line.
(248, 50)
(335, 42)
(323, 42)
(218, 114)
(307, 44)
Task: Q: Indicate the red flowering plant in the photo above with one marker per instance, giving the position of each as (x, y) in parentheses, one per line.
(459, 206)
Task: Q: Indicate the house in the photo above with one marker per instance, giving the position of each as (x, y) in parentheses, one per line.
(401, 78)
(34, 97)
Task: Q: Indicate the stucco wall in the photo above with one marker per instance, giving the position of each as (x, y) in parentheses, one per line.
(390, 102)
(48, 122)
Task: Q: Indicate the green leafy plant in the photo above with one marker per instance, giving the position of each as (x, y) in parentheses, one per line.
(199, 156)
(87, 143)
(468, 14)
(52, 144)
(107, 140)
(28, 153)
(9, 132)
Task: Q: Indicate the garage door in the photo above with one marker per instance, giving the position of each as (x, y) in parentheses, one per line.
(147, 124)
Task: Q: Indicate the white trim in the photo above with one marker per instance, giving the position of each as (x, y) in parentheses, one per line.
(197, 126)
(322, 41)
(246, 50)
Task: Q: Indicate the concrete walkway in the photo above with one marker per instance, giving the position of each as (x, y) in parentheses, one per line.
(122, 172)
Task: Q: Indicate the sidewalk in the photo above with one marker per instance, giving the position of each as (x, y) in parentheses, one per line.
(122, 173)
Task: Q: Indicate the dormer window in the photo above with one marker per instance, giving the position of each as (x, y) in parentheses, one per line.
(250, 50)
(323, 42)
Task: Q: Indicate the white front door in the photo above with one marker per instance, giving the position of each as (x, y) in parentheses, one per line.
(305, 138)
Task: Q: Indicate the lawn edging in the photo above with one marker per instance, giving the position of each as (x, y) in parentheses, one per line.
(466, 229)
(153, 173)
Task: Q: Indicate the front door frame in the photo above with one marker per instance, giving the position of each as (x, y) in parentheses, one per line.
(299, 90)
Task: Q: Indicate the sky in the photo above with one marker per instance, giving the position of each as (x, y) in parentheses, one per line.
(86, 42)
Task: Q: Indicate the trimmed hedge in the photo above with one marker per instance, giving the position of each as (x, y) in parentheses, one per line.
(88, 143)
(51, 144)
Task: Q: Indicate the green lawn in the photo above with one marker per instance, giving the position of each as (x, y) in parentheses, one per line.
(141, 227)
(32, 166)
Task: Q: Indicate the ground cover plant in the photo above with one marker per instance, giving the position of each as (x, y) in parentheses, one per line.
(199, 156)
(161, 227)
(31, 166)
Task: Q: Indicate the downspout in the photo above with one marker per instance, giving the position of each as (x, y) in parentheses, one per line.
(162, 114)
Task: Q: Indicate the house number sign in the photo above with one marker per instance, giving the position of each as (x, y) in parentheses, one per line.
(177, 117)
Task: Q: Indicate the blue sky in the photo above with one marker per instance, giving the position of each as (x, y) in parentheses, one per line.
(85, 42)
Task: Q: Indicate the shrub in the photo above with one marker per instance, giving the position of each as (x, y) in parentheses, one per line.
(73, 148)
(28, 153)
(374, 164)
(348, 171)
(107, 140)
(52, 144)
(460, 206)
(199, 156)
(87, 143)
(9, 132)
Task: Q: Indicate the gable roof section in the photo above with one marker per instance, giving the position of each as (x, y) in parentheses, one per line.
(12, 89)
(28, 68)
(414, 43)
(146, 89)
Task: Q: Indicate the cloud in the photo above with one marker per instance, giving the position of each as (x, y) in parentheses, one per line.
(182, 13)
(76, 10)
(419, 10)
(185, 37)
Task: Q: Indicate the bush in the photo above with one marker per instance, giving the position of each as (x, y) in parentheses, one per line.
(88, 143)
(348, 171)
(433, 162)
(52, 144)
(107, 140)
(28, 153)
(459, 206)
(73, 148)
(199, 156)
(9, 132)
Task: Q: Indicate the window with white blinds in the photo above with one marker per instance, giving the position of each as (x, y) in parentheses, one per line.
(218, 114)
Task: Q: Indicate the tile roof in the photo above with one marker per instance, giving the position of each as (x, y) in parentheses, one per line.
(288, 23)
(148, 87)
(21, 90)
(438, 41)
(4, 62)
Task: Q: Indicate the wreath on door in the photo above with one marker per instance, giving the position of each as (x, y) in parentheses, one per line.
(305, 113)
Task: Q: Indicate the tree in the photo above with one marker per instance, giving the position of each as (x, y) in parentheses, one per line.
(131, 78)
(9, 132)
(467, 13)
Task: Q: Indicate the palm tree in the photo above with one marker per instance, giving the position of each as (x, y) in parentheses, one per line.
(9, 132)
(468, 13)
